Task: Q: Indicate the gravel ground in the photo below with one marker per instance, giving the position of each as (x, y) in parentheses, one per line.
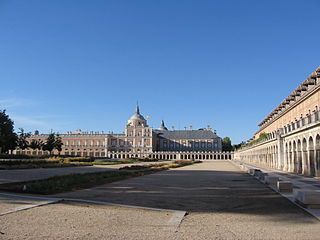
(248, 227)
(82, 221)
(223, 203)
(9, 203)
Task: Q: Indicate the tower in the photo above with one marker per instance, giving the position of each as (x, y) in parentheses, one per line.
(138, 135)
(137, 119)
(162, 127)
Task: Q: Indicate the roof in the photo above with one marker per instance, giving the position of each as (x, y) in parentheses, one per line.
(291, 99)
(186, 134)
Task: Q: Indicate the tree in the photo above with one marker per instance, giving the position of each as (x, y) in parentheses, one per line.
(237, 146)
(22, 141)
(35, 144)
(226, 144)
(50, 143)
(58, 144)
(8, 139)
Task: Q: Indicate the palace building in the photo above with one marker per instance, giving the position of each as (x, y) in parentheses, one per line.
(289, 137)
(138, 140)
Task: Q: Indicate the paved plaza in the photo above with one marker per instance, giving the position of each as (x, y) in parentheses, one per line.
(222, 202)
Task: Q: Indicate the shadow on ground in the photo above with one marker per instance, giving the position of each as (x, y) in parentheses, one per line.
(197, 191)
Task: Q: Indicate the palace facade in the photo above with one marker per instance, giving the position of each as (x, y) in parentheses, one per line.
(289, 137)
(138, 140)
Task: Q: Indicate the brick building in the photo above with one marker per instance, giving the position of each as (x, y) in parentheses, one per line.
(137, 140)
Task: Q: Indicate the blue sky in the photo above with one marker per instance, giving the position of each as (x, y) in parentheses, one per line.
(67, 65)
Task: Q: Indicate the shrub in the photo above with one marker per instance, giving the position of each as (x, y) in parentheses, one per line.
(135, 167)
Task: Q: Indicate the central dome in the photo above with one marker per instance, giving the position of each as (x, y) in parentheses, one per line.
(137, 115)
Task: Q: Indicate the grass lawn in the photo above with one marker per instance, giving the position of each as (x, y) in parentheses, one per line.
(49, 162)
(52, 162)
(127, 160)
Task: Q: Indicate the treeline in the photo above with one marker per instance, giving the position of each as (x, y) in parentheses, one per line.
(228, 147)
(9, 140)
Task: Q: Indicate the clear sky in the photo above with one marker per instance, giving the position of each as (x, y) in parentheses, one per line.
(74, 64)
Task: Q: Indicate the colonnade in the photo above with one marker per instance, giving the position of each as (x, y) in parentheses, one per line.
(175, 155)
(297, 153)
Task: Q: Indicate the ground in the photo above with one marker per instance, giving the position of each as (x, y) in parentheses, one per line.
(222, 202)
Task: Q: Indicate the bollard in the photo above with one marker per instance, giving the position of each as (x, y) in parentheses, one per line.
(252, 171)
(271, 180)
(308, 198)
(284, 186)
(263, 176)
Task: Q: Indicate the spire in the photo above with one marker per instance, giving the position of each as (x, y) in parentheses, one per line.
(137, 108)
(137, 115)
(162, 126)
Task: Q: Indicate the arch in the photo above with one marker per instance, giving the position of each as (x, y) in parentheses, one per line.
(304, 156)
(287, 152)
(270, 156)
(299, 156)
(317, 150)
(276, 157)
(289, 166)
(294, 157)
(311, 154)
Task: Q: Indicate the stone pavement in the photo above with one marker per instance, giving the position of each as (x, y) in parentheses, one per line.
(222, 202)
(299, 182)
(23, 175)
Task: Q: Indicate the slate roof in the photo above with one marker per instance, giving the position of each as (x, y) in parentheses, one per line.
(186, 134)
